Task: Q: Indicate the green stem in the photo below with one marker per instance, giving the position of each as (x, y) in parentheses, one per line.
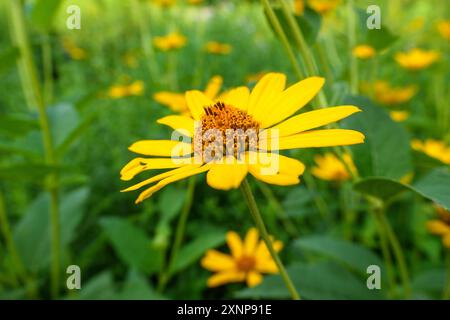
(179, 234)
(248, 195)
(48, 69)
(20, 38)
(282, 35)
(351, 31)
(446, 294)
(319, 201)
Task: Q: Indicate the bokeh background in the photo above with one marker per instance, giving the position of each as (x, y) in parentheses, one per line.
(99, 86)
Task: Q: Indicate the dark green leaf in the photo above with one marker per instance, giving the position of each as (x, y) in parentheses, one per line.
(137, 287)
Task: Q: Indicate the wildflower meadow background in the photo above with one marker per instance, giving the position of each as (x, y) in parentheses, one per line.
(73, 100)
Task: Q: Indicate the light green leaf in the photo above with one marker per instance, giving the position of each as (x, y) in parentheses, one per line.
(8, 59)
(137, 287)
(63, 120)
(99, 287)
(44, 12)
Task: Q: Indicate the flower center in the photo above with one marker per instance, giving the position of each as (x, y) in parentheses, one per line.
(225, 131)
(246, 263)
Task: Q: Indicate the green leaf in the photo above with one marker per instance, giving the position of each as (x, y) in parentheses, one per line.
(99, 287)
(194, 250)
(431, 281)
(64, 120)
(435, 186)
(14, 125)
(44, 12)
(137, 287)
(8, 59)
(386, 151)
(132, 245)
(27, 171)
(353, 255)
(296, 201)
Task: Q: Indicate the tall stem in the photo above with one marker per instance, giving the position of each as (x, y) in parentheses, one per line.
(248, 195)
(20, 38)
(351, 31)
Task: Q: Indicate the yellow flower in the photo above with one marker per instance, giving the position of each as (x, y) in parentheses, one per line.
(444, 29)
(433, 148)
(261, 123)
(416, 24)
(215, 47)
(323, 6)
(416, 59)
(171, 41)
(247, 261)
(177, 102)
(165, 3)
(441, 227)
(363, 51)
(75, 52)
(330, 168)
(398, 115)
(130, 59)
(299, 7)
(194, 2)
(386, 94)
(136, 88)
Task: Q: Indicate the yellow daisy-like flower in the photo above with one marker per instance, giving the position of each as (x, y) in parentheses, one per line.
(329, 167)
(388, 95)
(261, 124)
(195, 2)
(215, 47)
(363, 51)
(75, 52)
(399, 115)
(172, 41)
(299, 7)
(433, 148)
(177, 102)
(136, 88)
(323, 6)
(416, 59)
(441, 227)
(444, 29)
(165, 3)
(247, 261)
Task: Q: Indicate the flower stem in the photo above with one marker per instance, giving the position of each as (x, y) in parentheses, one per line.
(248, 195)
(351, 31)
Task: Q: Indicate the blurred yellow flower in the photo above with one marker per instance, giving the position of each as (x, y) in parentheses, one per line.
(388, 95)
(398, 115)
(441, 227)
(265, 113)
(416, 59)
(75, 52)
(164, 3)
(444, 29)
(416, 24)
(136, 88)
(215, 47)
(172, 41)
(177, 102)
(299, 7)
(255, 77)
(194, 2)
(323, 6)
(433, 148)
(363, 51)
(246, 263)
(130, 60)
(329, 167)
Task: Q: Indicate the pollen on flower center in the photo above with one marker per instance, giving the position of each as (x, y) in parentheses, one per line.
(246, 263)
(225, 130)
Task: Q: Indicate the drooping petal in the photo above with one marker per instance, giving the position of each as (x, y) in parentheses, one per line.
(197, 101)
(213, 87)
(266, 265)
(234, 242)
(217, 261)
(263, 253)
(254, 278)
(137, 165)
(175, 101)
(293, 99)
(237, 97)
(225, 277)
(264, 93)
(162, 148)
(313, 119)
(251, 241)
(183, 124)
(224, 176)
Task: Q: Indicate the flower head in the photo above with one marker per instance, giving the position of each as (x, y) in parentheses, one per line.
(215, 47)
(172, 41)
(363, 51)
(433, 148)
(329, 167)
(165, 3)
(177, 102)
(247, 261)
(416, 59)
(441, 226)
(241, 133)
(74, 51)
(135, 88)
(299, 7)
(399, 115)
(388, 95)
(444, 29)
(323, 6)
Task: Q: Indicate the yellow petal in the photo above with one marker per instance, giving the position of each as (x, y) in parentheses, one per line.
(320, 138)
(225, 277)
(167, 148)
(161, 184)
(251, 241)
(446, 240)
(183, 124)
(197, 101)
(262, 253)
(213, 87)
(313, 119)
(266, 265)
(235, 244)
(264, 93)
(293, 99)
(225, 176)
(175, 101)
(137, 165)
(217, 261)
(237, 97)
(254, 278)
(438, 227)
